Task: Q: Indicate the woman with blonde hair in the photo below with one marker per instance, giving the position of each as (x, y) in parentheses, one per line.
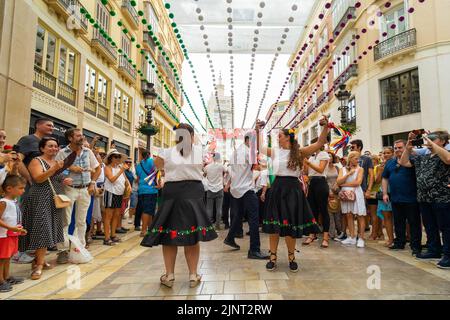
(352, 198)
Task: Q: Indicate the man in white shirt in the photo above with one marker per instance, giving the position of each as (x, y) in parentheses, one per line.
(214, 181)
(244, 200)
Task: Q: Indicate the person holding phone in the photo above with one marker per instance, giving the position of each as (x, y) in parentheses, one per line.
(432, 176)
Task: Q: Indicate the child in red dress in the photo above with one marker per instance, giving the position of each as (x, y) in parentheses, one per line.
(10, 228)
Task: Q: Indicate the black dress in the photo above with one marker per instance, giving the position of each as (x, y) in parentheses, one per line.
(287, 211)
(40, 217)
(181, 219)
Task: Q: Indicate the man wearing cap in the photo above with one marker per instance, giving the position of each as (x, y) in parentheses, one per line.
(84, 172)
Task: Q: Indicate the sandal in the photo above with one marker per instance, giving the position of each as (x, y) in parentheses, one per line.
(108, 242)
(293, 266)
(325, 243)
(272, 264)
(194, 280)
(37, 272)
(47, 266)
(116, 239)
(165, 281)
(309, 240)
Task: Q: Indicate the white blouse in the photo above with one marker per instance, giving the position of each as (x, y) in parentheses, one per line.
(180, 168)
(280, 160)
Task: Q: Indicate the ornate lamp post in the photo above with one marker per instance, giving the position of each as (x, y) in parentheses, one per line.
(343, 96)
(147, 128)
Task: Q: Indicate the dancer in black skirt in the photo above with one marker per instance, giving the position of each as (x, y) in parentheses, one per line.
(181, 220)
(287, 213)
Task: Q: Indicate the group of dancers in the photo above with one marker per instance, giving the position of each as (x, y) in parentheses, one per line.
(182, 219)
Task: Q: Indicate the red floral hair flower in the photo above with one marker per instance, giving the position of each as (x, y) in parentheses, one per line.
(192, 228)
(160, 229)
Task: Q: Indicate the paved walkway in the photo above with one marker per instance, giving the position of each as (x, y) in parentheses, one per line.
(129, 271)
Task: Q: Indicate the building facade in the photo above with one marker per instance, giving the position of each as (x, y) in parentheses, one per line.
(278, 110)
(398, 85)
(55, 63)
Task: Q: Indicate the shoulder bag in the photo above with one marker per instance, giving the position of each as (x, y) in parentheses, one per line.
(61, 200)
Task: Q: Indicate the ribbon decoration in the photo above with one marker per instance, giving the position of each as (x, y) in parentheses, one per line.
(342, 141)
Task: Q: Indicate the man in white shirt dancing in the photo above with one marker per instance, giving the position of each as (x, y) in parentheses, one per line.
(244, 199)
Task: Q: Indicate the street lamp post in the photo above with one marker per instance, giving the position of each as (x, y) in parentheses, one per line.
(343, 96)
(149, 93)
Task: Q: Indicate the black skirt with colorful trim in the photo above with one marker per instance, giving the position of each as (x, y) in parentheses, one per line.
(181, 219)
(287, 211)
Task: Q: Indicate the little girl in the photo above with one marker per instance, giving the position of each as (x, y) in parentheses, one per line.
(10, 228)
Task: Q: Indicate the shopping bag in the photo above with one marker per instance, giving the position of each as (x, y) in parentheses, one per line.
(78, 254)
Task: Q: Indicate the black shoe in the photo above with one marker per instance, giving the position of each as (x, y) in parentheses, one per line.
(415, 252)
(52, 249)
(428, 255)
(240, 236)
(232, 244)
(257, 255)
(396, 247)
(444, 263)
(125, 229)
(120, 231)
(272, 264)
(367, 229)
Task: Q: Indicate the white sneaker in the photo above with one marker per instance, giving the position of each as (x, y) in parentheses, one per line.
(349, 241)
(360, 243)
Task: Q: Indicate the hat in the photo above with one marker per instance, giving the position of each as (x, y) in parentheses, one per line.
(113, 152)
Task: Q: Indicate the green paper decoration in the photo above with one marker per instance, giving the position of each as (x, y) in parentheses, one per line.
(120, 50)
(173, 24)
(133, 39)
(167, 6)
(96, 26)
(130, 61)
(119, 23)
(133, 3)
(105, 2)
(125, 30)
(149, 27)
(141, 13)
(82, 10)
(144, 21)
(171, 15)
(88, 16)
(112, 13)
(176, 30)
(138, 46)
(142, 52)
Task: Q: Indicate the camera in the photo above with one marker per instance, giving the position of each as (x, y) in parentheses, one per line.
(418, 141)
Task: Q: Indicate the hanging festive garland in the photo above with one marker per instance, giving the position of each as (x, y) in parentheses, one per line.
(274, 60)
(191, 65)
(252, 64)
(177, 233)
(285, 224)
(230, 52)
(347, 48)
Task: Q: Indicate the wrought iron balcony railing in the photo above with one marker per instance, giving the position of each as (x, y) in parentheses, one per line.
(126, 69)
(130, 12)
(70, 9)
(392, 110)
(350, 72)
(395, 44)
(50, 84)
(102, 44)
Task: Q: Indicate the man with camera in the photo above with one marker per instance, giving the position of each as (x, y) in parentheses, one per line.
(433, 194)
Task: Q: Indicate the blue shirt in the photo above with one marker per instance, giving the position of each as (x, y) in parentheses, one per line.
(402, 182)
(146, 169)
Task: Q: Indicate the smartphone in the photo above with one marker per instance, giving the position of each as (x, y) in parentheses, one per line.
(418, 141)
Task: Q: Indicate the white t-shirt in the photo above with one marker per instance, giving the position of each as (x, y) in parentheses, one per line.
(10, 215)
(280, 160)
(214, 176)
(261, 179)
(241, 172)
(315, 160)
(180, 168)
(117, 187)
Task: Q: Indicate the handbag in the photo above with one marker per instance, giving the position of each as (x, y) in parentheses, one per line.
(347, 195)
(61, 200)
(127, 192)
(333, 205)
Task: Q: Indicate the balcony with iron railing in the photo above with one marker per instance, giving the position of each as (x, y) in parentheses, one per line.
(130, 13)
(70, 9)
(396, 44)
(126, 69)
(149, 42)
(401, 108)
(122, 123)
(346, 75)
(350, 14)
(48, 83)
(102, 45)
(95, 108)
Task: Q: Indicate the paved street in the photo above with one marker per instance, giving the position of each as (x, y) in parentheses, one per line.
(129, 271)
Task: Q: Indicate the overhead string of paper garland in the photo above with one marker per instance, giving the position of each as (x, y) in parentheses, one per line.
(165, 56)
(274, 60)
(387, 4)
(365, 53)
(201, 18)
(299, 54)
(262, 5)
(120, 52)
(191, 64)
(230, 52)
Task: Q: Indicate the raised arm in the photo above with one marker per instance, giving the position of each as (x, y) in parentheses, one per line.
(309, 150)
(37, 172)
(159, 163)
(404, 160)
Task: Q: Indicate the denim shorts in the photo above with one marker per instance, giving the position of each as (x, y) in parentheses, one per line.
(146, 204)
(133, 200)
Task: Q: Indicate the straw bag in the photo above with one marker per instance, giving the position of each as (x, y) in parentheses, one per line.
(61, 200)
